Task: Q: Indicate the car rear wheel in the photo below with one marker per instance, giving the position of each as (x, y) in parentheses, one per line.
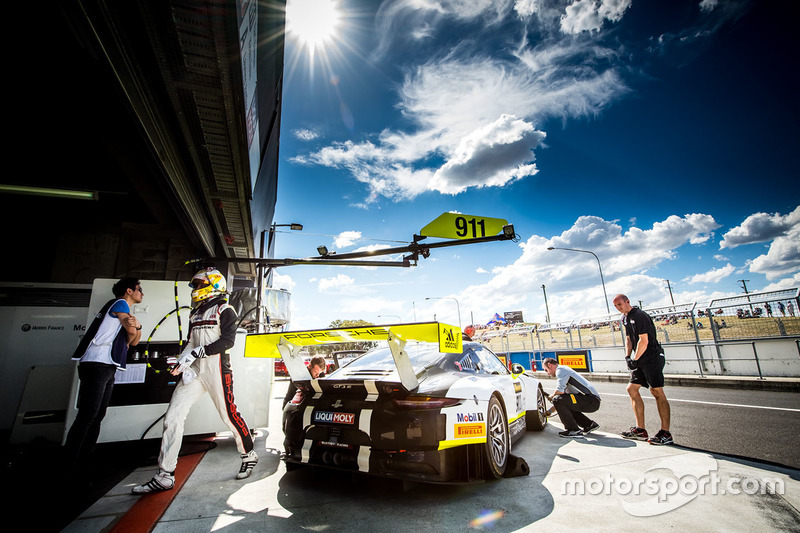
(537, 420)
(497, 441)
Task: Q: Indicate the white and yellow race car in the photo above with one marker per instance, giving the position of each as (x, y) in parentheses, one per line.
(429, 405)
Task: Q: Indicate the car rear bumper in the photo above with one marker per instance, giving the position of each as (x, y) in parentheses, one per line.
(396, 444)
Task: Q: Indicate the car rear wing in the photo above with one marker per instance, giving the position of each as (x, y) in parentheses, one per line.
(288, 344)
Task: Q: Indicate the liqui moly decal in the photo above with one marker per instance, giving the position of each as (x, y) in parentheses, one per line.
(334, 418)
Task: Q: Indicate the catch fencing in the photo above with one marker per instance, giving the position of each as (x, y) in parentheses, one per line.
(753, 334)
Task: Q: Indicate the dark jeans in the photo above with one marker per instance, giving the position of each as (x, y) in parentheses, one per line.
(96, 385)
(571, 407)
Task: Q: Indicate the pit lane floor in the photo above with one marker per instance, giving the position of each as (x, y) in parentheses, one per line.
(602, 482)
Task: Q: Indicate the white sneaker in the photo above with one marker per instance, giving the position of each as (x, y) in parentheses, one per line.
(160, 482)
(249, 461)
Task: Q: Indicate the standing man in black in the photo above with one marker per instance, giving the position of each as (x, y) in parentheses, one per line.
(645, 359)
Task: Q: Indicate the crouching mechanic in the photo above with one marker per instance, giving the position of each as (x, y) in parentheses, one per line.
(205, 364)
(573, 397)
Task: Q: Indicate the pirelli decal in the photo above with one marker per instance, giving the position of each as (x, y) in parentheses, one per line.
(470, 428)
(469, 431)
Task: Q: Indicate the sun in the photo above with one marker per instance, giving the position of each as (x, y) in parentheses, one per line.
(312, 22)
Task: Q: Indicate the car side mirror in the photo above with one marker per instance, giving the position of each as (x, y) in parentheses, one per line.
(517, 368)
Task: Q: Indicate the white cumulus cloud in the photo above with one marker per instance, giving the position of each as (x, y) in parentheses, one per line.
(305, 134)
(712, 276)
(346, 238)
(589, 15)
(783, 256)
(493, 155)
(761, 227)
(573, 278)
(337, 282)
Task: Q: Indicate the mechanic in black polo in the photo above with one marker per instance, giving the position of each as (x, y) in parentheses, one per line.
(645, 358)
(573, 397)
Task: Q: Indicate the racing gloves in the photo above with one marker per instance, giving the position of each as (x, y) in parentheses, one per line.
(631, 362)
(188, 357)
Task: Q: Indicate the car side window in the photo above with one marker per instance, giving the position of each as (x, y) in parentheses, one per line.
(465, 364)
(489, 362)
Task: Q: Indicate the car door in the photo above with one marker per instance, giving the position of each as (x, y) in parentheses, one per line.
(510, 387)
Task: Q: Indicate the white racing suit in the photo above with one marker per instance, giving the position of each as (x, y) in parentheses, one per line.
(212, 326)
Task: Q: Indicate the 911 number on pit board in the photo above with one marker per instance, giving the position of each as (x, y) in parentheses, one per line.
(461, 226)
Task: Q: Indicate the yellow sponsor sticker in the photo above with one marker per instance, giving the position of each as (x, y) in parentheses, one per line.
(450, 339)
(467, 431)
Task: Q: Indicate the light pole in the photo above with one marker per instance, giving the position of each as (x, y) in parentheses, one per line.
(260, 284)
(669, 288)
(449, 298)
(545, 304)
(602, 281)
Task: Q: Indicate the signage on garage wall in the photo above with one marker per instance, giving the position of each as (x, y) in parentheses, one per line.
(578, 360)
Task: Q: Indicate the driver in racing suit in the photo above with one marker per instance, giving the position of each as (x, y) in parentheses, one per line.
(205, 364)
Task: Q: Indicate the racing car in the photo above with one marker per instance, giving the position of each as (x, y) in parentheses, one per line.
(428, 406)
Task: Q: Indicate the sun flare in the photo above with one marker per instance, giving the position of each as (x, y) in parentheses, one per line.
(312, 22)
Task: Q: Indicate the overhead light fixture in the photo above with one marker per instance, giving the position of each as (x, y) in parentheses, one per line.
(322, 249)
(51, 192)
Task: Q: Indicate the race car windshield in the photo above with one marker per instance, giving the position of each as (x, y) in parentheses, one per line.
(422, 356)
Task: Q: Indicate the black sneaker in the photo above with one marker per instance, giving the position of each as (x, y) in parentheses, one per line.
(571, 433)
(635, 434)
(662, 437)
(591, 427)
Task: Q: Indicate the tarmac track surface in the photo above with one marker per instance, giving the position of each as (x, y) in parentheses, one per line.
(761, 425)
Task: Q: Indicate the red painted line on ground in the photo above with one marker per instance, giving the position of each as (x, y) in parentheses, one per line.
(145, 513)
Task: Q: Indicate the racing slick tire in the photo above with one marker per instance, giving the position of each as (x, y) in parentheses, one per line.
(496, 449)
(537, 420)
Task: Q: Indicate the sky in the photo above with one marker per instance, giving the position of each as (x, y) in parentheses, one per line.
(660, 136)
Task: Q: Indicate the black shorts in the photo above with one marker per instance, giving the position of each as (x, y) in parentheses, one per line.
(651, 374)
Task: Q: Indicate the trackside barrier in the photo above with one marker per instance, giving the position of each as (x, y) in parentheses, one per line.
(757, 334)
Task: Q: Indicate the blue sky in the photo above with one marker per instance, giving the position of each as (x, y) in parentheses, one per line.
(662, 138)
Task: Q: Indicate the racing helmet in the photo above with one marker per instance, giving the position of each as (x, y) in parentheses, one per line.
(206, 284)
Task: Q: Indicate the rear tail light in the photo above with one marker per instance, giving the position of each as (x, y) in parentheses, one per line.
(424, 402)
(299, 395)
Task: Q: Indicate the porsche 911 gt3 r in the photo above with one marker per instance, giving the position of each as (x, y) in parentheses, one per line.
(445, 411)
